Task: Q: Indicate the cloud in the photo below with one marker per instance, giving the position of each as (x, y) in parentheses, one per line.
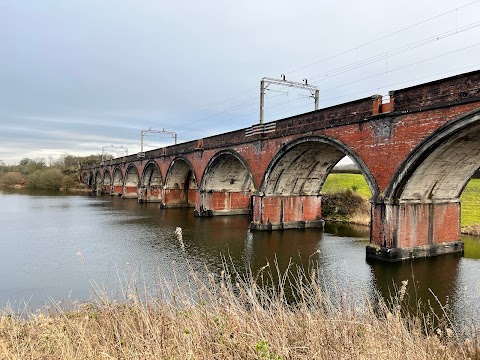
(77, 76)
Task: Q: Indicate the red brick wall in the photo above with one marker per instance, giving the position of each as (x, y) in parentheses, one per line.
(409, 225)
(130, 190)
(223, 201)
(285, 209)
(174, 196)
(446, 222)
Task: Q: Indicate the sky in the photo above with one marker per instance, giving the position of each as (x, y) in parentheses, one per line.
(77, 76)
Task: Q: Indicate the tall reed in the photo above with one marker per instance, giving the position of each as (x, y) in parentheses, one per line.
(266, 315)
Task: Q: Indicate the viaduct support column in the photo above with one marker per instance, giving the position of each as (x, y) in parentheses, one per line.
(150, 194)
(215, 202)
(130, 192)
(106, 189)
(278, 212)
(411, 229)
(116, 190)
(177, 198)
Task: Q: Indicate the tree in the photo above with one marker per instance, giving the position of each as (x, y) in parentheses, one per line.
(70, 161)
(28, 166)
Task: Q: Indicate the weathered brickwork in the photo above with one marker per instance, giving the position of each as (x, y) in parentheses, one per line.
(283, 212)
(380, 138)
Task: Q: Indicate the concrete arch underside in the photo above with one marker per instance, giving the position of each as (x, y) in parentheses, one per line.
(97, 183)
(107, 182)
(151, 185)
(180, 184)
(131, 183)
(302, 167)
(226, 187)
(421, 209)
(290, 194)
(90, 179)
(117, 182)
(85, 177)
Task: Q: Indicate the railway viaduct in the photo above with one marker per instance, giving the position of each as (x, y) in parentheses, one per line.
(417, 150)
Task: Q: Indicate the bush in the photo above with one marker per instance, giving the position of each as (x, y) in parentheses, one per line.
(11, 178)
(50, 179)
(345, 206)
(67, 182)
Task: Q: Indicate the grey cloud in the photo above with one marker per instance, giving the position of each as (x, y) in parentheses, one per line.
(75, 76)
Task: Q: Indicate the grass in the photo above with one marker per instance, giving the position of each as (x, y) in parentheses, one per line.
(345, 198)
(338, 183)
(228, 316)
(471, 203)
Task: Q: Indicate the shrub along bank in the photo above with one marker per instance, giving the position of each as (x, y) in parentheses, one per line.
(61, 173)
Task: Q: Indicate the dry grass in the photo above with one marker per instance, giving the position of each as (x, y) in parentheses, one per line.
(471, 230)
(229, 317)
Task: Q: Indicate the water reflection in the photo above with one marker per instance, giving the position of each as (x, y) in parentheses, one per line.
(43, 232)
(472, 246)
(431, 282)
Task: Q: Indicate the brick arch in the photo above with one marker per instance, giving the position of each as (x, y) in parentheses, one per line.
(106, 181)
(90, 178)
(117, 181)
(177, 173)
(117, 176)
(131, 176)
(106, 172)
(151, 183)
(97, 180)
(441, 165)
(227, 170)
(151, 175)
(226, 186)
(85, 177)
(131, 182)
(180, 183)
(301, 166)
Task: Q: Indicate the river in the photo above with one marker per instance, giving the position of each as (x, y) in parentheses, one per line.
(59, 247)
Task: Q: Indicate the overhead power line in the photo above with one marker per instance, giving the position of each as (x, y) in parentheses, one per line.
(376, 75)
(409, 47)
(350, 67)
(384, 37)
(330, 58)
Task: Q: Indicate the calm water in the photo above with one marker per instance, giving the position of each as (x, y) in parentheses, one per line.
(53, 246)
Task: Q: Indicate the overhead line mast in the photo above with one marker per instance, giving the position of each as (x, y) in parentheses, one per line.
(150, 130)
(266, 82)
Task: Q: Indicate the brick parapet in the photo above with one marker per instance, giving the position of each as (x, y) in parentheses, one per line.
(438, 93)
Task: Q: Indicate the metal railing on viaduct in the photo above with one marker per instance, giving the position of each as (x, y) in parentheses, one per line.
(417, 151)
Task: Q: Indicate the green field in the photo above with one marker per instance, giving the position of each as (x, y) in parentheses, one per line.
(356, 182)
(340, 182)
(471, 203)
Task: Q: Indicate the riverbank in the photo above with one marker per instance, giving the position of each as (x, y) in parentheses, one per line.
(346, 199)
(227, 317)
